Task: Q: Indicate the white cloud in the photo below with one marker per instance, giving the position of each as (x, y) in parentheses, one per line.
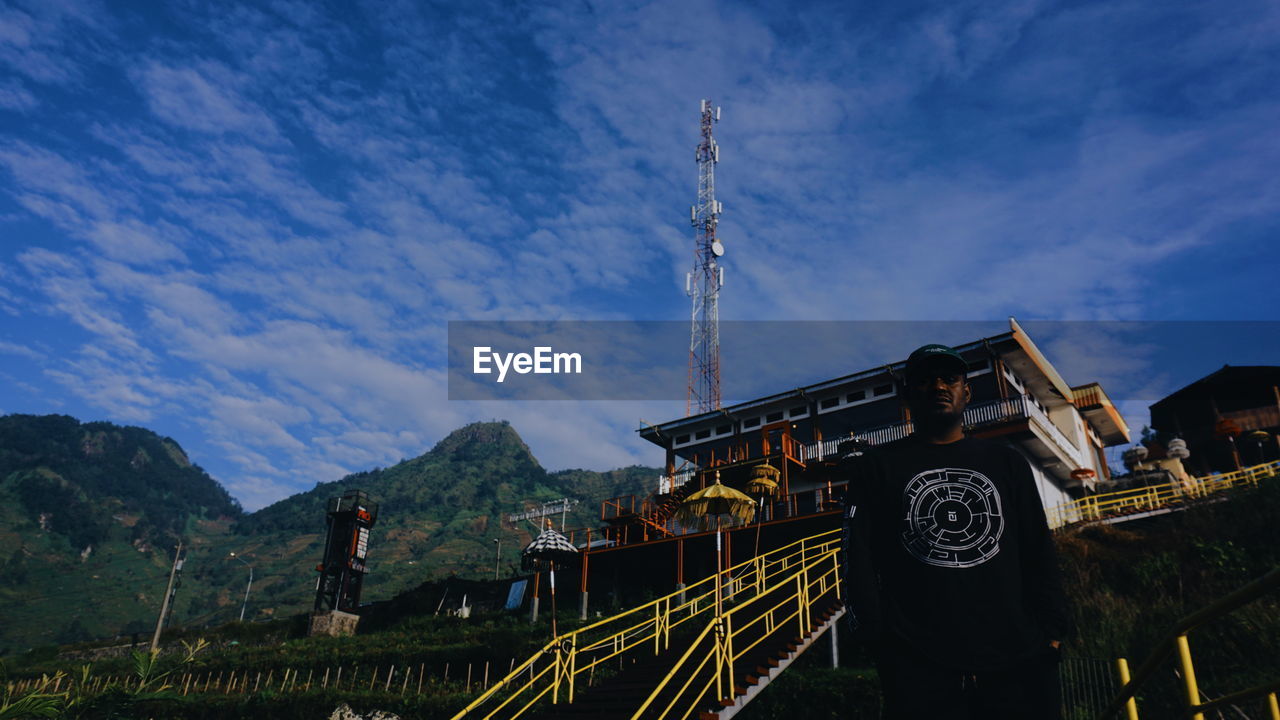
(20, 350)
(203, 97)
(133, 242)
(264, 251)
(13, 96)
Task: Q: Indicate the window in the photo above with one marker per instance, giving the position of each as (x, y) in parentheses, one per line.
(724, 429)
(682, 439)
(773, 417)
(702, 434)
(800, 411)
(882, 390)
(751, 422)
(829, 403)
(979, 367)
(858, 396)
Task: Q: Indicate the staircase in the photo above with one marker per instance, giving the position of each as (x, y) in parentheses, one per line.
(771, 666)
(704, 653)
(664, 506)
(661, 508)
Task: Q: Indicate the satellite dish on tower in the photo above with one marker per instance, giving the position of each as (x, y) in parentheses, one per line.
(717, 249)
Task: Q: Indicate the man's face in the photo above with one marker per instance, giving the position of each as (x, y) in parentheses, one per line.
(937, 394)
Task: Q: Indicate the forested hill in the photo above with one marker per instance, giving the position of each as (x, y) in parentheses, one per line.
(440, 512)
(76, 480)
(90, 514)
(479, 470)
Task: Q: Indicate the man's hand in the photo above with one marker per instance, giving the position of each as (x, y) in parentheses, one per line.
(1055, 644)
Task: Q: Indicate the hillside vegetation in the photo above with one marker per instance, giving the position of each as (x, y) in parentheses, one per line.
(90, 514)
(1128, 584)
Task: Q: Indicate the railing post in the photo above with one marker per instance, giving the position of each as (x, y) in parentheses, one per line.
(835, 565)
(1273, 706)
(657, 627)
(1189, 676)
(572, 663)
(800, 613)
(719, 656)
(666, 626)
(728, 653)
(555, 675)
(1130, 705)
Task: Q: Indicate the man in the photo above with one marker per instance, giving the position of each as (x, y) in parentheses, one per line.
(951, 571)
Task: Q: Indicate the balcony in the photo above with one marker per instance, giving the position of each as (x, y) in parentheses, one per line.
(668, 483)
(975, 417)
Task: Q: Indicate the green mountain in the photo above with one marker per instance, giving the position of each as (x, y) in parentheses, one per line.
(89, 515)
(128, 495)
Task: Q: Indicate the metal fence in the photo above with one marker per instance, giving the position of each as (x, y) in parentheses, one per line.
(1088, 684)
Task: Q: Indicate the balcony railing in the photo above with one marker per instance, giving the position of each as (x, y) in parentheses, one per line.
(668, 483)
(1067, 447)
(796, 504)
(984, 413)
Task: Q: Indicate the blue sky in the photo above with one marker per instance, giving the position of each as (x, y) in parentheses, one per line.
(246, 226)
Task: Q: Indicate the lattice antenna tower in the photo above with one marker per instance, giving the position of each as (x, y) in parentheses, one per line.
(704, 282)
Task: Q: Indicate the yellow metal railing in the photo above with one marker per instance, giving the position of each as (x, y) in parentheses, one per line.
(786, 609)
(1177, 639)
(1154, 497)
(554, 673)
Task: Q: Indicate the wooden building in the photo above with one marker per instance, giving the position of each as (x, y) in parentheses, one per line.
(1018, 397)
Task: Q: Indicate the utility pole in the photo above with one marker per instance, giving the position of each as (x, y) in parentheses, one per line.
(244, 604)
(168, 592)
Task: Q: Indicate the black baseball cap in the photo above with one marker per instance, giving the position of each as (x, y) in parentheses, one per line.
(936, 356)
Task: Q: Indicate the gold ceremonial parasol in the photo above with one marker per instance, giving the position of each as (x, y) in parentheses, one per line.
(704, 508)
(764, 481)
(715, 501)
(763, 484)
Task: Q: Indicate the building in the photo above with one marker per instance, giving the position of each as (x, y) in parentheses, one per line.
(1228, 418)
(1018, 397)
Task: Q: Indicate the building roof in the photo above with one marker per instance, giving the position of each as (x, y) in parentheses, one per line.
(1225, 374)
(1096, 406)
(1015, 347)
(651, 432)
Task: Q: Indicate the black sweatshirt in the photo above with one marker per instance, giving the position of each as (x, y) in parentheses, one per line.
(948, 554)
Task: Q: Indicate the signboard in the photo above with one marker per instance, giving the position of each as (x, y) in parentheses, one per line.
(515, 596)
(362, 542)
(550, 508)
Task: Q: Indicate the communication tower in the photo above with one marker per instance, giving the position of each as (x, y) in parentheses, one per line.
(703, 283)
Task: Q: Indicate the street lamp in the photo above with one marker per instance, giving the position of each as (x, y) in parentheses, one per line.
(497, 560)
(246, 587)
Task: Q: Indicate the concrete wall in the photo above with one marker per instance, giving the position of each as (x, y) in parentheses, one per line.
(1050, 494)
